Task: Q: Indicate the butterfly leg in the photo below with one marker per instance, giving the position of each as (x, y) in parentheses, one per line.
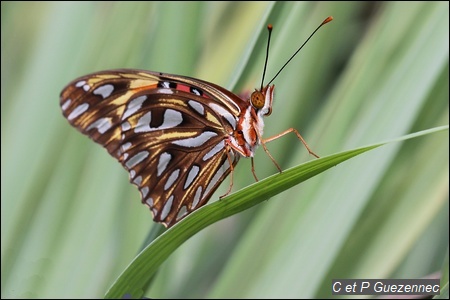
(298, 136)
(230, 161)
(264, 141)
(253, 169)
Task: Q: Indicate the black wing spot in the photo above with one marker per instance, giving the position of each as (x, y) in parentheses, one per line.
(196, 91)
(167, 85)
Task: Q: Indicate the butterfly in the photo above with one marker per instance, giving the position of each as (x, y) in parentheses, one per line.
(178, 137)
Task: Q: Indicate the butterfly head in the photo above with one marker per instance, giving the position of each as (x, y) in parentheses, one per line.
(261, 100)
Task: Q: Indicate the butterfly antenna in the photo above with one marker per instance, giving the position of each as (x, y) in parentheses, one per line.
(269, 27)
(327, 20)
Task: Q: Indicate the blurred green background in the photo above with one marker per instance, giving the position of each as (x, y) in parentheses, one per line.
(71, 222)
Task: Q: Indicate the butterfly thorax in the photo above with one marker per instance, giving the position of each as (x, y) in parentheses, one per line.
(250, 125)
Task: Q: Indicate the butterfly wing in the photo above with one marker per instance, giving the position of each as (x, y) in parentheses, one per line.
(167, 131)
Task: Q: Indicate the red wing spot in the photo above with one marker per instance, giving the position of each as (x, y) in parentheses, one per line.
(184, 88)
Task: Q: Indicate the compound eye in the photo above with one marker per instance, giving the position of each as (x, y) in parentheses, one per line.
(257, 99)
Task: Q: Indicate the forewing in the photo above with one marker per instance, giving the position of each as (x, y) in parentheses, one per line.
(171, 141)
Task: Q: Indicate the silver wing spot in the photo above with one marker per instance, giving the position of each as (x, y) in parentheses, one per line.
(224, 113)
(144, 192)
(181, 213)
(102, 125)
(193, 172)
(80, 83)
(134, 106)
(105, 90)
(164, 160)
(126, 146)
(136, 159)
(66, 104)
(126, 126)
(79, 110)
(225, 166)
(149, 201)
(172, 118)
(217, 148)
(172, 178)
(196, 141)
(83, 84)
(197, 197)
(197, 107)
(167, 207)
(138, 180)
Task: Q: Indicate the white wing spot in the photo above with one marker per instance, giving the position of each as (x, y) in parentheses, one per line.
(144, 192)
(181, 213)
(134, 106)
(80, 83)
(167, 208)
(170, 181)
(193, 172)
(125, 127)
(224, 113)
(217, 148)
(80, 109)
(225, 166)
(126, 146)
(143, 124)
(136, 159)
(102, 125)
(149, 202)
(197, 107)
(196, 91)
(165, 84)
(196, 141)
(138, 180)
(83, 84)
(164, 160)
(172, 118)
(198, 195)
(66, 104)
(164, 91)
(104, 90)
(132, 174)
